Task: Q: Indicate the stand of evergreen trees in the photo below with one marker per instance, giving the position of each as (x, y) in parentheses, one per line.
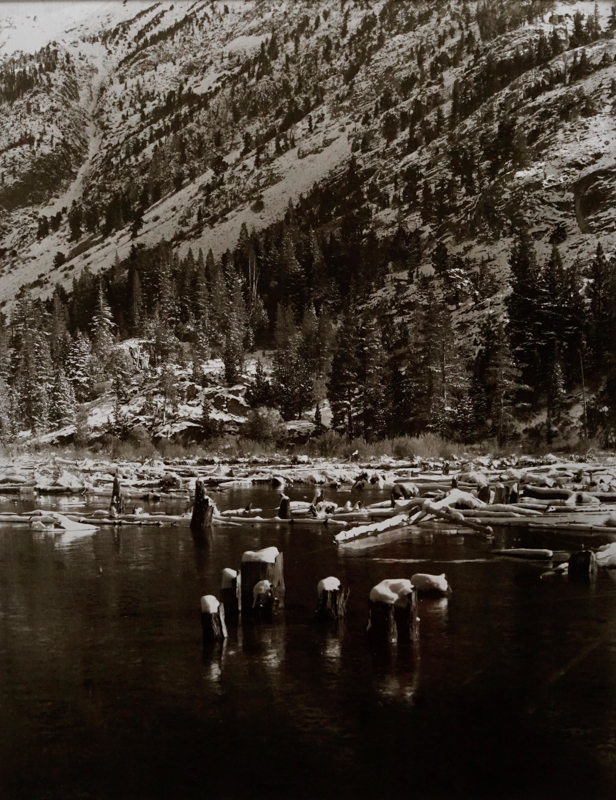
(349, 316)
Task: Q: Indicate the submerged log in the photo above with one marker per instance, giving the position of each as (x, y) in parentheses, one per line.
(212, 619)
(526, 552)
(332, 599)
(229, 593)
(203, 510)
(582, 565)
(261, 565)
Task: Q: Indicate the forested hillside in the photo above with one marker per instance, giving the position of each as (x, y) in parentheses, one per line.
(406, 208)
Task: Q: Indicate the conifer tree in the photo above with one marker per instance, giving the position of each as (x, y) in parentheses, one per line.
(103, 328)
(78, 369)
(343, 390)
(62, 399)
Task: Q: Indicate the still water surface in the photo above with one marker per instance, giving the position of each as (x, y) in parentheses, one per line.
(105, 691)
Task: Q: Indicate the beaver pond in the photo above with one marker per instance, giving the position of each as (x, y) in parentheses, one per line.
(106, 691)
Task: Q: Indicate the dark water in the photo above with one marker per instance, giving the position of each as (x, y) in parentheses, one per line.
(105, 691)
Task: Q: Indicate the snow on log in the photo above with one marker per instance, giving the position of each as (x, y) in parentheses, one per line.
(328, 585)
(266, 556)
(430, 584)
(606, 556)
(457, 497)
(375, 528)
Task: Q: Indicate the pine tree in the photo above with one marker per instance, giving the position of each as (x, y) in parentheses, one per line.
(259, 391)
(78, 369)
(62, 400)
(371, 363)
(499, 377)
(102, 329)
(343, 389)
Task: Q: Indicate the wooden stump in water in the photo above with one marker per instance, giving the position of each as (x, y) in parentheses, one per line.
(229, 593)
(261, 565)
(284, 510)
(203, 510)
(117, 503)
(212, 619)
(381, 621)
(392, 611)
(332, 599)
(582, 565)
(407, 621)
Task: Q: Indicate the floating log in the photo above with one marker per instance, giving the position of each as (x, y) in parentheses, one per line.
(399, 521)
(203, 510)
(229, 592)
(212, 619)
(582, 565)
(544, 493)
(332, 599)
(392, 611)
(526, 552)
(260, 565)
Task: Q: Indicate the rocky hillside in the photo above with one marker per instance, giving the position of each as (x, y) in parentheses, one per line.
(185, 120)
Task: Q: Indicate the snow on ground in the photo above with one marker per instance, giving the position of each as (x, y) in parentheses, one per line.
(244, 43)
(28, 26)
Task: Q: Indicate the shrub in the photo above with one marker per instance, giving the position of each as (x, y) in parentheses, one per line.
(265, 425)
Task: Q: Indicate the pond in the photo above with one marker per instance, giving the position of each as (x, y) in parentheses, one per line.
(106, 692)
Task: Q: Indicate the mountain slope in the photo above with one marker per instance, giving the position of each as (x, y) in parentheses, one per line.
(195, 117)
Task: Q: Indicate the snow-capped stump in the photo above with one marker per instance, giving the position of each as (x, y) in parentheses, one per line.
(264, 600)
(332, 599)
(431, 584)
(203, 510)
(582, 566)
(392, 613)
(260, 565)
(212, 619)
(229, 592)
